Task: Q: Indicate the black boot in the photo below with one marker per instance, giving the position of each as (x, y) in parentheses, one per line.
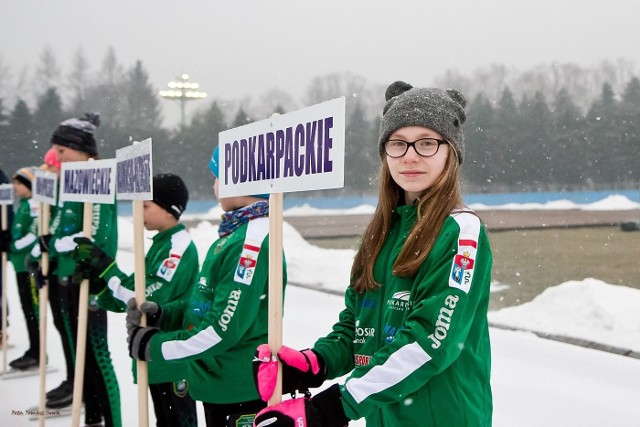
(65, 388)
(60, 402)
(25, 362)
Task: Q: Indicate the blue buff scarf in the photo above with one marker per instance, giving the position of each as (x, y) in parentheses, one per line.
(234, 219)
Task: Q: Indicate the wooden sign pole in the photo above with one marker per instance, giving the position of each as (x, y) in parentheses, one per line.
(4, 296)
(81, 343)
(140, 287)
(42, 312)
(275, 286)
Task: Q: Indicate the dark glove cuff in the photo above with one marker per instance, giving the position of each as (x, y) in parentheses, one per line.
(5, 240)
(43, 242)
(142, 347)
(328, 407)
(316, 380)
(155, 319)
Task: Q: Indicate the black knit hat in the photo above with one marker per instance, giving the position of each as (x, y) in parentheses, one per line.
(170, 193)
(437, 109)
(26, 176)
(78, 133)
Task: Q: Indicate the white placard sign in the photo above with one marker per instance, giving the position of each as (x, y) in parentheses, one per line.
(6, 194)
(90, 181)
(135, 172)
(301, 150)
(45, 187)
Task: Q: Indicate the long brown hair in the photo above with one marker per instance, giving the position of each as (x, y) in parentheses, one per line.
(434, 206)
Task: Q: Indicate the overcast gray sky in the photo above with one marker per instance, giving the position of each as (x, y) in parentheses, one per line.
(236, 48)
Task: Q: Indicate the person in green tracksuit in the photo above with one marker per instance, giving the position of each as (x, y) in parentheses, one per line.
(171, 268)
(58, 294)
(24, 235)
(225, 317)
(413, 338)
(74, 140)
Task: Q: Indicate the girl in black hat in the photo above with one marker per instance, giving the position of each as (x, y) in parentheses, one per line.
(74, 140)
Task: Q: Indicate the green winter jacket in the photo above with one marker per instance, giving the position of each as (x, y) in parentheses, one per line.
(24, 233)
(418, 348)
(225, 319)
(67, 225)
(171, 269)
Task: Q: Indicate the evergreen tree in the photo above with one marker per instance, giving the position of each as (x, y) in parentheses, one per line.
(143, 110)
(628, 160)
(603, 140)
(142, 119)
(106, 96)
(532, 162)
(4, 129)
(19, 142)
(190, 149)
(360, 156)
(46, 117)
(479, 166)
(241, 118)
(507, 141)
(569, 141)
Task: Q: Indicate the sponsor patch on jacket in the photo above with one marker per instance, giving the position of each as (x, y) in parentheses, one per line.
(464, 261)
(168, 268)
(247, 264)
(257, 231)
(361, 359)
(462, 270)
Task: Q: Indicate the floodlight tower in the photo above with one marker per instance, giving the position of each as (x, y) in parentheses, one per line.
(183, 90)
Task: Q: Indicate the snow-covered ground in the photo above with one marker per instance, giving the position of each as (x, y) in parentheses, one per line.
(536, 382)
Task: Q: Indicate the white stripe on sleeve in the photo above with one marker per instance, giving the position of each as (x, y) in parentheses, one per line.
(197, 344)
(25, 241)
(120, 292)
(402, 363)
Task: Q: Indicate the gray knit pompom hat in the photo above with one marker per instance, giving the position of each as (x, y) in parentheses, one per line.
(437, 109)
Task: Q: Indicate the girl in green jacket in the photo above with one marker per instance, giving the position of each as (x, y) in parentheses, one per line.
(225, 317)
(74, 141)
(171, 268)
(413, 336)
(24, 235)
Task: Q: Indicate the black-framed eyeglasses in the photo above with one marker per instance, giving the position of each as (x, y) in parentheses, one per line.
(425, 147)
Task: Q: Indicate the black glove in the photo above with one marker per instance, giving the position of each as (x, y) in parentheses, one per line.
(31, 265)
(5, 240)
(139, 339)
(300, 370)
(43, 241)
(323, 410)
(91, 259)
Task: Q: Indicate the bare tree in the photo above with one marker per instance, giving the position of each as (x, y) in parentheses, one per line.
(77, 80)
(5, 77)
(47, 72)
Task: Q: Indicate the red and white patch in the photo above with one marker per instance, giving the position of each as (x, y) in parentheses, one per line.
(168, 268)
(247, 264)
(462, 267)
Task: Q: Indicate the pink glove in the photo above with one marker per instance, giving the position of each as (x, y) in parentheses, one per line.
(300, 370)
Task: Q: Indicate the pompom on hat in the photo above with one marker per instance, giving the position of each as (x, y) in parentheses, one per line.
(213, 167)
(170, 193)
(437, 109)
(26, 175)
(78, 133)
(51, 158)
